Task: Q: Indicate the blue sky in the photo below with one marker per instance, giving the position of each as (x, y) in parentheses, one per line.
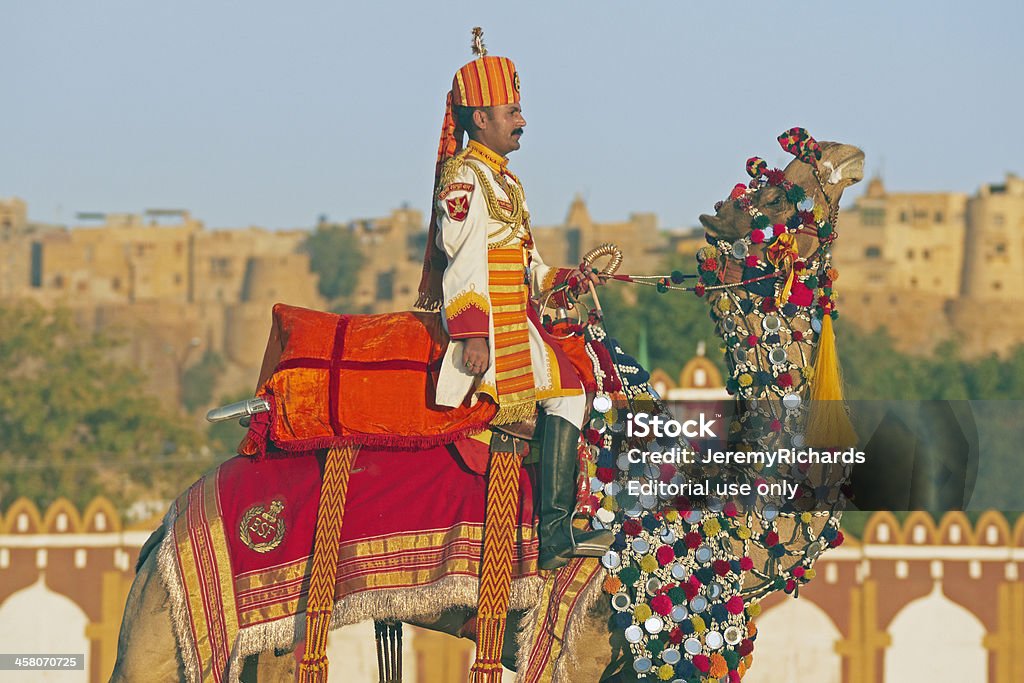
(257, 113)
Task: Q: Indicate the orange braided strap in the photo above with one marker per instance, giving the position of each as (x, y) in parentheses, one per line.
(496, 568)
(324, 574)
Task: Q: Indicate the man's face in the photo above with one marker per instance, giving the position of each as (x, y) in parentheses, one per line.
(500, 128)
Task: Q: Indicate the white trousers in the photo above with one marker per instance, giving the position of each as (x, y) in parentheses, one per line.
(570, 408)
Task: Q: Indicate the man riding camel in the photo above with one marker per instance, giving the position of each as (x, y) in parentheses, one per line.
(481, 268)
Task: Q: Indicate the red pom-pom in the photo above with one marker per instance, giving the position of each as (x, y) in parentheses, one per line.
(721, 567)
(691, 590)
(593, 436)
(775, 176)
(699, 290)
(799, 572)
(768, 304)
(746, 564)
(730, 509)
(790, 586)
(661, 604)
(797, 334)
(734, 676)
(675, 636)
(757, 236)
(702, 663)
(665, 555)
(606, 474)
(751, 261)
(632, 527)
(734, 605)
(776, 426)
(800, 294)
(784, 380)
(807, 218)
(709, 264)
(693, 540)
(745, 647)
(770, 539)
(752, 340)
(738, 191)
(798, 266)
(778, 229)
(838, 540)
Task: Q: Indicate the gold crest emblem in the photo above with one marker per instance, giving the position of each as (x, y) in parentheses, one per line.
(262, 530)
(515, 81)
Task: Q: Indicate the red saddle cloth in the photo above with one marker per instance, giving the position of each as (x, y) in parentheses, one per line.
(333, 380)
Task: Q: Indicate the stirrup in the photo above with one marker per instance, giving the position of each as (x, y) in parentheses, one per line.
(586, 548)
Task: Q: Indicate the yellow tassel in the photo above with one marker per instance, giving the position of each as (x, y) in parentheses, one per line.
(828, 425)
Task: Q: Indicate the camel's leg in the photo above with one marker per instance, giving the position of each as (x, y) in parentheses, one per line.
(269, 667)
(146, 649)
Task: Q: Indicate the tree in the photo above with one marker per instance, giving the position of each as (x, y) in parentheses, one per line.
(77, 424)
(334, 255)
(200, 379)
(674, 322)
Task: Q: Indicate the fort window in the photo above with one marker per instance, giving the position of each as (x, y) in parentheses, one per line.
(220, 266)
(997, 285)
(998, 220)
(873, 252)
(1001, 248)
(910, 254)
(904, 217)
(926, 254)
(913, 283)
(115, 284)
(938, 216)
(58, 281)
(873, 216)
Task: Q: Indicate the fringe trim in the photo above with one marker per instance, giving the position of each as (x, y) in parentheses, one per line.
(428, 303)
(167, 568)
(515, 412)
(398, 604)
(566, 661)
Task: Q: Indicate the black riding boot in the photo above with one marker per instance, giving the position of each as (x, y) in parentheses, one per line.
(559, 541)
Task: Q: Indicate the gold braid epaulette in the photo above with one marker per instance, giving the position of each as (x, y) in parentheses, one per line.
(450, 171)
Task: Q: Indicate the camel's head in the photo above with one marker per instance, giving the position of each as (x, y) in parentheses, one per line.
(767, 271)
(813, 182)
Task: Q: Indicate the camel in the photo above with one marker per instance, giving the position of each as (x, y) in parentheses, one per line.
(147, 649)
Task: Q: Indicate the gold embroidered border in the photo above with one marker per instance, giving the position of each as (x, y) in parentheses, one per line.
(464, 300)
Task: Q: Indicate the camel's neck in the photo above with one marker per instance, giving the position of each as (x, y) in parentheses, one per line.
(770, 329)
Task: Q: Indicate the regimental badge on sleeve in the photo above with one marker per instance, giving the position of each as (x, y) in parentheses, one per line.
(458, 207)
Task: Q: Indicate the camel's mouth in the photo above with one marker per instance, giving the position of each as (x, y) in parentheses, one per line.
(849, 169)
(708, 221)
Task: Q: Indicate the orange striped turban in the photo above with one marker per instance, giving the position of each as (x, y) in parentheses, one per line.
(485, 82)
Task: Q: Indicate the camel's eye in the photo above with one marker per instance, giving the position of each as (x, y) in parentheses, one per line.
(775, 201)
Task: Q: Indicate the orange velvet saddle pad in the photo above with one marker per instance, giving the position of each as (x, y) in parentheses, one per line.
(369, 380)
